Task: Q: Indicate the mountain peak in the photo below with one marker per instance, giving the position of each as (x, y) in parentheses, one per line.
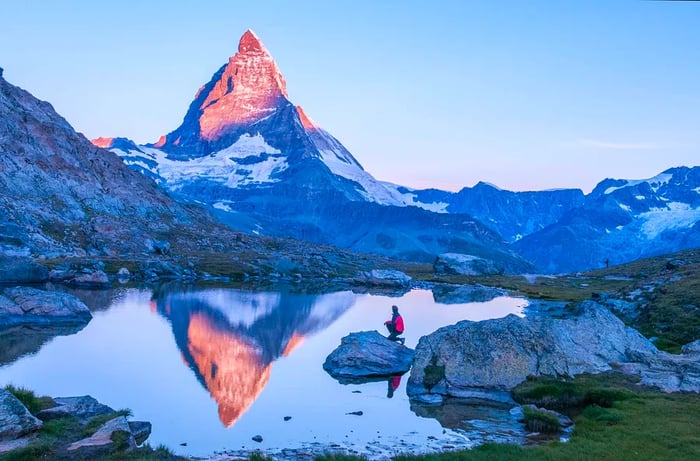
(250, 43)
(247, 89)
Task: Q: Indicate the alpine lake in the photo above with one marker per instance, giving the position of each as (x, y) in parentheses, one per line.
(212, 366)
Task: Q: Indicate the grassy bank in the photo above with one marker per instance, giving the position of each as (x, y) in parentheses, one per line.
(56, 435)
(615, 420)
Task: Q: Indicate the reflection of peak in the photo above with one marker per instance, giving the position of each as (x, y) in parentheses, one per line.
(232, 368)
(230, 338)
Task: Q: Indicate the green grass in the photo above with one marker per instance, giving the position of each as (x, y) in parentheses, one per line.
(31, 453)
(639, 424)
(540, 420)
(61, 427)
(433, 374)
(33, 403)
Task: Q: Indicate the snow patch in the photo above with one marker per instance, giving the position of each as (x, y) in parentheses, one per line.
(658, 221)
(640, 197)
(656, 182)
(221, 166)
(625, 207)
(222, 206)
(697, 189)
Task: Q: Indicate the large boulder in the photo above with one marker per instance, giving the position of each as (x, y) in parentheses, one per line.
(15, 419)
(367, 354)
(30, 306)
(21, 270)
(463, 264)
(84, 408)
(383, 278)
(486, 359)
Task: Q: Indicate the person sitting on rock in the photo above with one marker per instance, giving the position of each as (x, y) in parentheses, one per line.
(395, 325)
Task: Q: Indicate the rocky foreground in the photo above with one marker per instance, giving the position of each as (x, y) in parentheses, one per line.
(80, 427)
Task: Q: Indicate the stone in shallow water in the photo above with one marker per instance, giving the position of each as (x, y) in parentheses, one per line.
(367, 354)
(39, 306)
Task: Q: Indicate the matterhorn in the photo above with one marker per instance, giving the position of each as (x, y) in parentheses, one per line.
(262, 165)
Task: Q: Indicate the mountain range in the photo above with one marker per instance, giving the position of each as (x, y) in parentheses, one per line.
(246, 159)
(262, 165)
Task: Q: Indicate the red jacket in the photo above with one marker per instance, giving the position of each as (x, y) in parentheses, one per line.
(398, 324)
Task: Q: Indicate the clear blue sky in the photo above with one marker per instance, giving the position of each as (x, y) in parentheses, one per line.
(527, 95)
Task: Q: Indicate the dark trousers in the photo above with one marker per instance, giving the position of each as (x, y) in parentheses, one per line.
(393, 334)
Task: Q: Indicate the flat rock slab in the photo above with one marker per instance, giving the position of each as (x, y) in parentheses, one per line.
(84, 408)
(367, 354)
(101, 441)
(15, 419)
(33, 306)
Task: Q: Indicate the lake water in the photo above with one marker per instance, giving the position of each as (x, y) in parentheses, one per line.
(213, 367)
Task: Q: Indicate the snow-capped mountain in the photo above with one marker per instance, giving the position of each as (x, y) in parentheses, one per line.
(264, 166)
(512, 214)
(622, 220)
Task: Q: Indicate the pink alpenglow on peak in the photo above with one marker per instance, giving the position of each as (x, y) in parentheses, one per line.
(104, 143)
(250, 88)
(306, 121)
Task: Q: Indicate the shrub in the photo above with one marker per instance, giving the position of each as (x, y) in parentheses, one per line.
(538, 420)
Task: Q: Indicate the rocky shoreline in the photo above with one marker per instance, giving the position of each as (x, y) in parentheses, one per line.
(66, 427)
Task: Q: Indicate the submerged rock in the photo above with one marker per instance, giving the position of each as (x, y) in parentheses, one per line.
(367, 354)
(459, 294)
(15, 419)
(28, 306)
(486, 359)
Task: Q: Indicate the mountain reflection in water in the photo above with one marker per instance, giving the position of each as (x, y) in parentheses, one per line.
(230, 338)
